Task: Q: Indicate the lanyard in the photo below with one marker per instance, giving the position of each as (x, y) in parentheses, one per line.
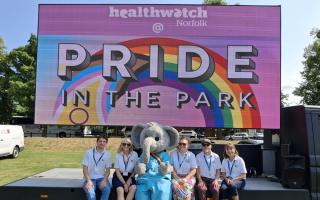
(184, 157)
(208, 164)
(125, 163)
(94, 158)
(230, 169)
(157, 157)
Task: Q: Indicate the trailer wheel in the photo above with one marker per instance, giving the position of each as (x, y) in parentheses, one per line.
(62, 135)
(15, 152)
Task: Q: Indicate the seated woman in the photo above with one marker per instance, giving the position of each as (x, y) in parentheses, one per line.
(208, 171)
(185, 167)
(123, 178)
(233, 172)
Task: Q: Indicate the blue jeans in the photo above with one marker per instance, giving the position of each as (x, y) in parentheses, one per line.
(91, 194)
(229, 191)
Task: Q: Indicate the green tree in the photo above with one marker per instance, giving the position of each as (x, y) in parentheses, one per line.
(5, 73)
(2, 47)
(215, 2)
(22, 62)
(284, 99)
(309, 88)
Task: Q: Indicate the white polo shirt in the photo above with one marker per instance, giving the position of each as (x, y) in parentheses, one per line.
(208, 164)
(183, 163)
(97, 162)
(126, 163)
(233, 168)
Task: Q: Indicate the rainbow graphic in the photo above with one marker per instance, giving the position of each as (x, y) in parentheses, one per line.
(91, 79)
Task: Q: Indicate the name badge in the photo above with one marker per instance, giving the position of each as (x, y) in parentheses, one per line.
(125, 174)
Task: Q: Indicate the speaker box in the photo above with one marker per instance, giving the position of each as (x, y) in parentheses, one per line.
(293, 171)
(285, 149)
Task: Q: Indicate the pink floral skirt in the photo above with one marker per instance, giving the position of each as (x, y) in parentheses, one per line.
(183, 191)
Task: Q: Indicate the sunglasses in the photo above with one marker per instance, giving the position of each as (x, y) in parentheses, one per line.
(182, 144)
(206, 144)
(126, 144)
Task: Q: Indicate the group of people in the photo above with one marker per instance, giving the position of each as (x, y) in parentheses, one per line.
(204, 170)
(200, 173)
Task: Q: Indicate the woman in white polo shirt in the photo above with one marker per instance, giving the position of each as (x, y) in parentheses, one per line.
(123, 178)
(208, 171)
(233, 172)
(185, 167)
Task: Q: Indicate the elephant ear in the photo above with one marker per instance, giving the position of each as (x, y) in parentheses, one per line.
(135, 135)
(173, 135)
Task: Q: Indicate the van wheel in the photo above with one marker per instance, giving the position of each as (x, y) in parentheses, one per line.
(15, 152)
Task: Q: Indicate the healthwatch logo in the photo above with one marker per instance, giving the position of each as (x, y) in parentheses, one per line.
(152, 12)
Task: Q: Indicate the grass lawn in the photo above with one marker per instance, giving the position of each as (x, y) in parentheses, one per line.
(42, 154)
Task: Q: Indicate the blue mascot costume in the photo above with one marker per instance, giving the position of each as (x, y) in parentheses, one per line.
(154, 169)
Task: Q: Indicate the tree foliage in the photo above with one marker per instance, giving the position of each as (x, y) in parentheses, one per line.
(309, 88)
(215, 2)
(5, 72)
(2, 47)
(22, 82)
(17, 80)
(284, 99)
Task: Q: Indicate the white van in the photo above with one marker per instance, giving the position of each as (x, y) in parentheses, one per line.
(11, 140)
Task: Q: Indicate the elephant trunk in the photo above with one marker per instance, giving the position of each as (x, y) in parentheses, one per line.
(149, 145)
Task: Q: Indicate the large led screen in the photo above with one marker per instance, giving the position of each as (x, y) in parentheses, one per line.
(179, 65)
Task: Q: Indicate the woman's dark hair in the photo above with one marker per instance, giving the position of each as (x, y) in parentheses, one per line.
(185, 138)
(103, 136)
(229, 145)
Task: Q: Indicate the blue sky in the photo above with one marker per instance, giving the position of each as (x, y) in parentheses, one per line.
(18, 19)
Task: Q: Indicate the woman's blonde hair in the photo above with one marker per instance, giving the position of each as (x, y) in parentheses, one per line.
(125, 140)
(229, 145)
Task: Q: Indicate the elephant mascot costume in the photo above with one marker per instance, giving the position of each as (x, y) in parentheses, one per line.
(154, 168)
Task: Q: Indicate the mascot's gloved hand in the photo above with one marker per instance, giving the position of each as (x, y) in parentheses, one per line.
(140, 169)
(165, 168)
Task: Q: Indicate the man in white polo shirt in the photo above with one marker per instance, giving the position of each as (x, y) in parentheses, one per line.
(208, 171)
(96, 169)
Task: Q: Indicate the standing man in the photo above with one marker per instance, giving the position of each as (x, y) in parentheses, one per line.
(96, 169)
(208, 171)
